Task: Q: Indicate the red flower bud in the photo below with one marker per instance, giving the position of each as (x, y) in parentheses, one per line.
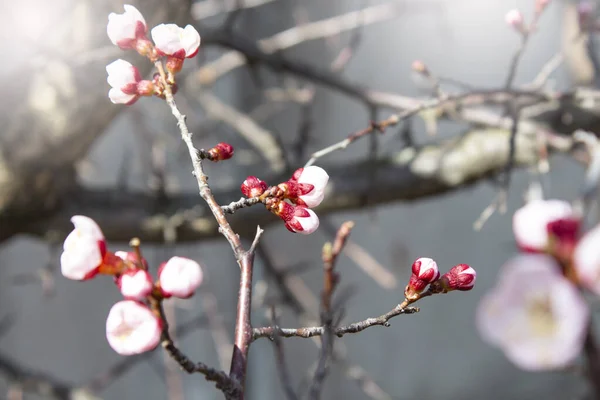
(222, 151)
(253, 187)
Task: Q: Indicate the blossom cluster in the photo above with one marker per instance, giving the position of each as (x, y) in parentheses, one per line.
(132, 327)
(292, 200)
(425, 272)
(537, 314)
(129, 31)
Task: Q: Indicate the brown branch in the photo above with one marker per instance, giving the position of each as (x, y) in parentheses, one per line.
(230, 387)
(308, 332)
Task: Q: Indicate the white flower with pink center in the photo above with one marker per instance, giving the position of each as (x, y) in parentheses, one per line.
(123, 78)
(301, 220)
(135, 284)
(83, 249)
(587, 260)
(308, 185)
(131, 328)
(535, 315)
(172, 40)
(180, 277)
(125, 29)
(530, 223)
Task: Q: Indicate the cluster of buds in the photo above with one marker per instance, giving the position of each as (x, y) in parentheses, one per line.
(292, 200)
(425, 272)
(538, 296)
(171, 42)
(132, 327)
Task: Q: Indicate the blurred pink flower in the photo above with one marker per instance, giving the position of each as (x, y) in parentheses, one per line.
(586, 259)
(530, 222)
(131, 328)
(83, 249)
(179, 277)
(534, 314)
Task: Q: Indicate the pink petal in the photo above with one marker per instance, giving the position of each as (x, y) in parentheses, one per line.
(180, 277)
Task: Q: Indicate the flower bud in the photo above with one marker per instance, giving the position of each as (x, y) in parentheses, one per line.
(135, 284)
(131, 328)
(172, 40)
(420, 67)
(124, 79)
(222, 151)
(124, 30)
(179, 277)
(425, 269)
(460, 277)
(253, 187)
(83, 250)
(307, 186)
(299, 219)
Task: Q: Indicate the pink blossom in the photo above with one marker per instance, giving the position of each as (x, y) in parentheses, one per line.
(514, 18)
(535, 315)
(131, 328)
(299, 219)
(586, 259)
(83, 250)
(124, 79)
(172, 40)
(530, 223)
(179, 277)
(125, 29)
(307, 186)
(135, 284)
(253, 187)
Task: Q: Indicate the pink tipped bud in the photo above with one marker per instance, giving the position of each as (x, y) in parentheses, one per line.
(135, 284)
(171, 40)
(514, 18)
(132, 257)
(83, 250)
(222, 151)
(145, 88)
(298, 219)
(124, 79)
(125, 29)
(131, 328)
(425, 269)
(460, 277)
(307, 186)
(179, 277)
(531, 222)
(253, 187)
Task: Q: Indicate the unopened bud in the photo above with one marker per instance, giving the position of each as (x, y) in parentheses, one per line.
(222, 151)
(514, 18)
(253, 187)
(460, 277)
(420, 67)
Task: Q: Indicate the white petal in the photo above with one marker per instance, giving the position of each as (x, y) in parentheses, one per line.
(530, 222)
(121, 73)
(134, 14)
(79, 262)
(131, 328)
(87, 226)
(166, 37)
(118, 97)
(180, 277)
(310, 223)
(190, 40)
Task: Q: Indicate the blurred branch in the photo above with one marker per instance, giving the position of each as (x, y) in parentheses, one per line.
(210, 8)
(212, 71)
(413, 173)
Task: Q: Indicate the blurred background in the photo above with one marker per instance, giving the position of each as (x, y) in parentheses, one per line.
(58, 127)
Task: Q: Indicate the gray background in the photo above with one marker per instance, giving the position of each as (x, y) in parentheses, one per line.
(436, 354)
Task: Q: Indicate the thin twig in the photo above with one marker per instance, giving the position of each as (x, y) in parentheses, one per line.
(308, 332)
